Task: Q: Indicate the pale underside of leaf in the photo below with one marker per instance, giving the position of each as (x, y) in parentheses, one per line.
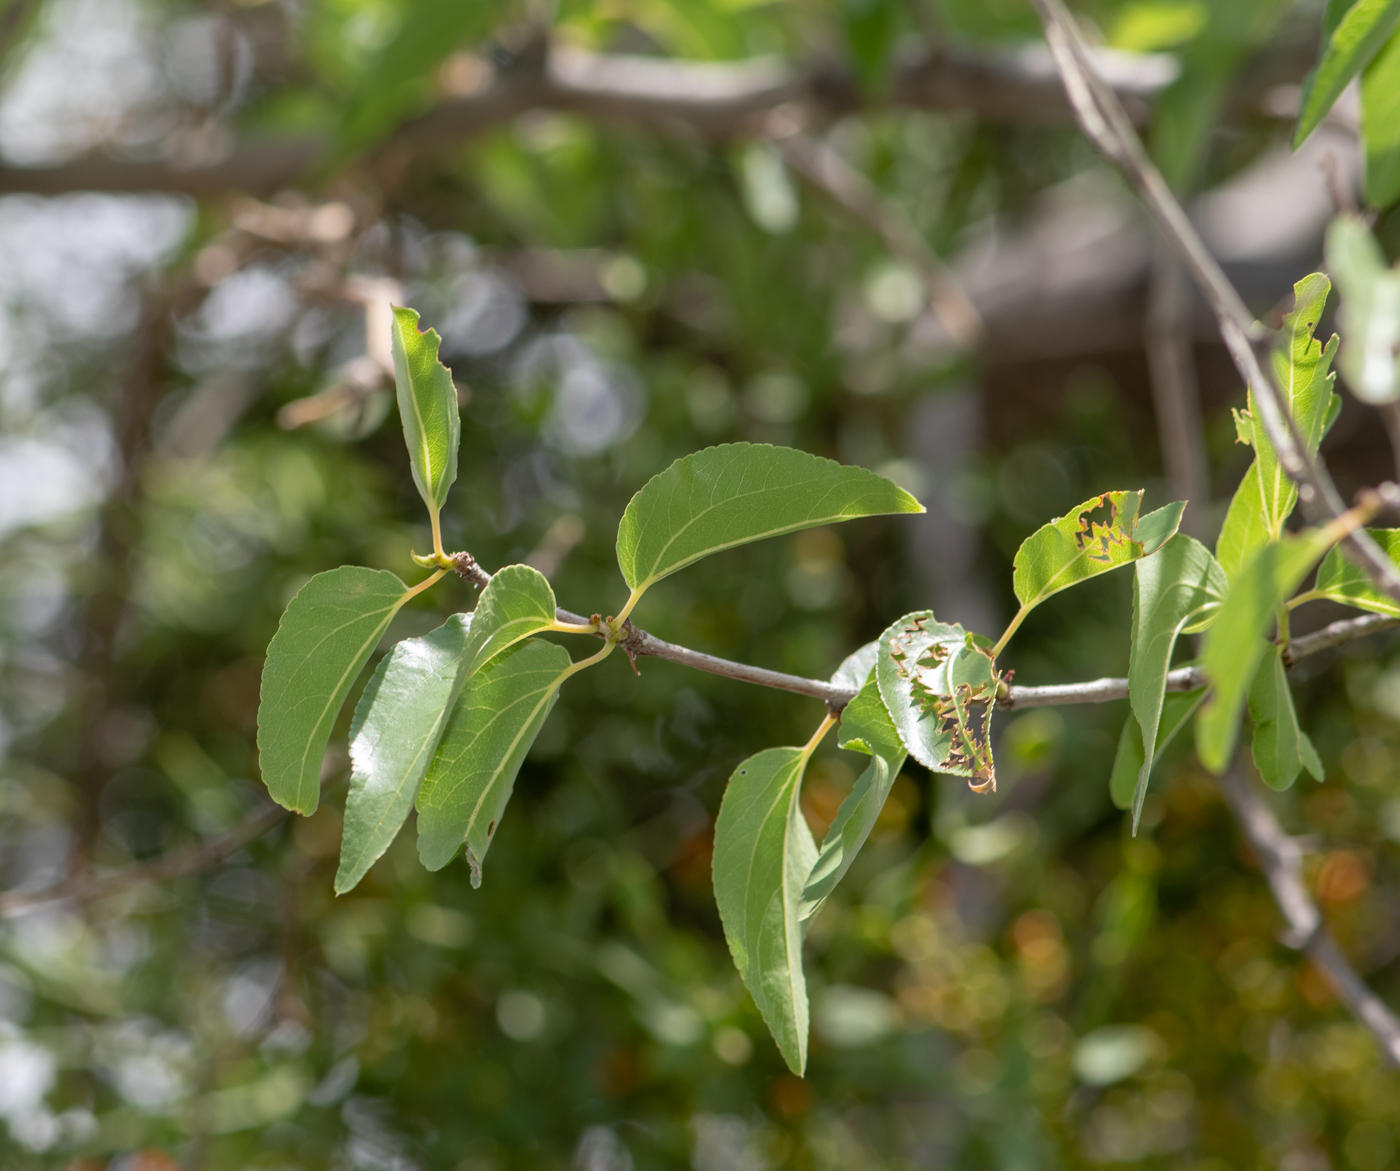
(492, 727)
(763, 853)
(397, 726)
(1179, 585)
(939, 688)
(1340, 580)
(322, 643)
(1281, 748)
(1177, 709)
(740, 492)
(427, 399)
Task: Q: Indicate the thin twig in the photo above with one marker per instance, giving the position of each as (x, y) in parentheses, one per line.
(1281, 859)
(1390, 415)
(823, 167)
(85, 888)
(640, 643)
(1102, 117)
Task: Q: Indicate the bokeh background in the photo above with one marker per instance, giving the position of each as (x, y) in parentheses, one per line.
(205, 209)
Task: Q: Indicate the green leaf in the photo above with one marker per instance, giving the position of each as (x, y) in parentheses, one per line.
(1099, 535)
(939, 686)
(763, 854)
(740, 492)
(855, 668)
(397, 726)
(1349, 48)
(517, 603)
(1380, 125)
(321, 645)
(1179, 585)
(1281, 748)
(865, 727)
(428, 406)
(1342, 581)
(1370, 314)
(1235, 643)
(1266, 496)
(470, 780)
(1177, 709)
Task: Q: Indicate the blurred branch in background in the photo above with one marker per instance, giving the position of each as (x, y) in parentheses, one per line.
(1281, 859)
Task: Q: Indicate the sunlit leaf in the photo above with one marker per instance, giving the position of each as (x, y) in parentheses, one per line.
(856, 667)
(517, 603)
(1281, 748)
(398, 723)
(321, 645)
(763, 854)
(1177, 709)
(740, 492)
(470, 780)
(865, 727)
(1380, 125)
(1345, 52)
(1235, 643)
(1100, 534)
(1370, 314)
(939, 686)
(1342, 581)
(1266, 496)
(428, 407)
(1181, 584)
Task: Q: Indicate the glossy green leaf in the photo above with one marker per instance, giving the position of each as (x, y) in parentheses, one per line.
(939, 686)
(1342, 581)
(763, 854)
(865, 727)
(1266, 496)
(470, 780)
(1349, 48)
(1370, 314)
(517, 603)
(322, 643)
(1177, 709)
(1179, 585)
(1380, 125)
(398, 723)
(740, 492)
(1281, 748)
(1101, 534)
(428, 407)
(1235, 643)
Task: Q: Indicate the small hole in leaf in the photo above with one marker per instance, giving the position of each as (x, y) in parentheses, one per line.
(743, 772)
(490, 829)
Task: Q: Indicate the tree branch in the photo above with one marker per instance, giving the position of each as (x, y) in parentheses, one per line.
(1102, 117)
(718, 99)
(1281, 859)
(86, 888)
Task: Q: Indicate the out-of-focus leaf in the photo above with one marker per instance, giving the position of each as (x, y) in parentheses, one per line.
(470, 780)
(1177, 709)
(404, 74)
(1370, 312)
(1281, 748)
(428, 406)
(1181, 584)
(322, 643)
(740, 492)
(939, 687)
(763, 854)
(517, 603)
(1100, 534)
(1342, 581)
(865, 727)
(1346, 50)
(1380, 125)
(397, 726)
(1266, 496)
(1235, 644)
